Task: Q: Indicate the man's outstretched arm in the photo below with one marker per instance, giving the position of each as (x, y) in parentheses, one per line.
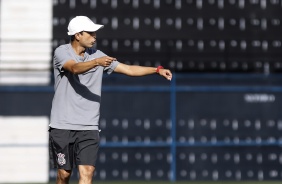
(134, 70)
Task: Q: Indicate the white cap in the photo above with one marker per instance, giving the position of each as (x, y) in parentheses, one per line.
(82, 23)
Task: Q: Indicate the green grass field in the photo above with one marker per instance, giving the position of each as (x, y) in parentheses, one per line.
(187, 182)
(167, 182)
(183, 182)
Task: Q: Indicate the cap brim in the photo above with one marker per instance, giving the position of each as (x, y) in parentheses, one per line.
(92, 29)
(96, 28)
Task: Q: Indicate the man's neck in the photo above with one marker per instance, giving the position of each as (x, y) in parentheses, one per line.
(78, 49)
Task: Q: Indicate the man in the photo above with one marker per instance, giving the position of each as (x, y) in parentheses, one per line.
(78, 70)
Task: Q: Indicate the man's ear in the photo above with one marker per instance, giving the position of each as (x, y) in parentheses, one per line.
(77, 36)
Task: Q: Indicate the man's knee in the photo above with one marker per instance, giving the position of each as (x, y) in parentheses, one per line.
(86, 172)
(63, 175)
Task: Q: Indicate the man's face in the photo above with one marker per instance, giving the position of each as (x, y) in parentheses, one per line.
(88, 39)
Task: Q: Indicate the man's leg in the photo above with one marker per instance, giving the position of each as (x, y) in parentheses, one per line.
(86, 173)
(63, 176)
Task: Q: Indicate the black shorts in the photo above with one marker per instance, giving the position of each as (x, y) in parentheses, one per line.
(70, 148)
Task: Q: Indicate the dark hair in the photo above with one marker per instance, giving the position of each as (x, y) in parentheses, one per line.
(72, 37)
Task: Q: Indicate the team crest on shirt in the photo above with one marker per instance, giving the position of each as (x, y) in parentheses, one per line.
(61, 159)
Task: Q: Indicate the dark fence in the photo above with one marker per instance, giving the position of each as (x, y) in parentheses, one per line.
(153, 129)
(235, 36)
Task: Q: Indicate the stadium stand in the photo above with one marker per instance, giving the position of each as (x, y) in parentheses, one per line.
(25, 46)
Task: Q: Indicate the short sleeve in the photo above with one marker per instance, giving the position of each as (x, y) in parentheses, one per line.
(112, 67)
(61, 56)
